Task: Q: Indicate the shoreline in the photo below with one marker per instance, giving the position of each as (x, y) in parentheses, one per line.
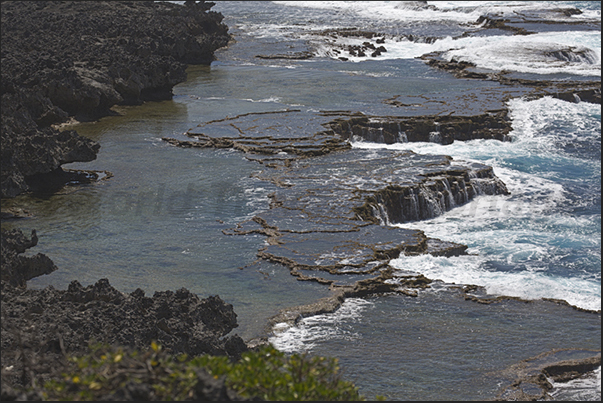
(102, 291)
(52, 76)
(56, 75)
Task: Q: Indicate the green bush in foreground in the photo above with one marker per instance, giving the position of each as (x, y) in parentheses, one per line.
(266, 374)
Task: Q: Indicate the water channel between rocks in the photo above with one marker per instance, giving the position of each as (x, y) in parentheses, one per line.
(159, 222)
(196, 217)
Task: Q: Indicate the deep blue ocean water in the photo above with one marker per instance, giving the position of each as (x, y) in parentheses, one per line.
(158, 222)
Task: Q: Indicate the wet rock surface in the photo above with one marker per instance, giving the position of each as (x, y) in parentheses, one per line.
(78, 59)
(533, 377)
(331, 206)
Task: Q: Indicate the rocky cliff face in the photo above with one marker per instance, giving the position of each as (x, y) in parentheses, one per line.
(78, 59)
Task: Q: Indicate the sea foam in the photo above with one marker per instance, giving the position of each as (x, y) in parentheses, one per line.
(528, 244)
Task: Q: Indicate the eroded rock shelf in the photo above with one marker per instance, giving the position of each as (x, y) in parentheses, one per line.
(331, 212)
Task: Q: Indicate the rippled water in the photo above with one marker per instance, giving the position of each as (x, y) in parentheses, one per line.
(158, 223)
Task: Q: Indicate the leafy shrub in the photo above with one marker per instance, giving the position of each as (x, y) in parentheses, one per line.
(116, 374)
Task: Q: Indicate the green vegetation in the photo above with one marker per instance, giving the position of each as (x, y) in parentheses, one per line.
(266, 374)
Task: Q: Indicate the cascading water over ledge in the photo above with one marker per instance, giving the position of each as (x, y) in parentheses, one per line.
(430, 198)
(332, 203)
(438, 129)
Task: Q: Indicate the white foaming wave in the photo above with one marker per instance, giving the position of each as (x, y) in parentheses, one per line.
(270, 99)
(456, 11)
(531, 53)
(390, 11)
(530, 194)
(531, 230)
(265, 100)
(527, 284)
(544, 126)
(274, 30)
(531, 118)
(524, 54)
(396, 48)
(366, 73)
(302, 336)
(585, 388)
(483, 222)
(591, 15)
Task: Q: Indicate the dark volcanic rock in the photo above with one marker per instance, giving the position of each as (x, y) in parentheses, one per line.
(62, 59)
(435, 129)
(290, 56)
(40, 326)
(17, 269)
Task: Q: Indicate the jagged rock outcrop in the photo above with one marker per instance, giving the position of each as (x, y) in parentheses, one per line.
(40, 326)
(78, 59)
(16, 268)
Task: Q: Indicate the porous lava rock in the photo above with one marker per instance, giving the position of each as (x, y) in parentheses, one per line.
(16, 268)
(78, 59)
(41, 327)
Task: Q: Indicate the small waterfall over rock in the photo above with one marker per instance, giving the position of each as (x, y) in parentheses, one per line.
(402, 137)
(435, 137)
(434, 196)
(434, 129)
(574, 54)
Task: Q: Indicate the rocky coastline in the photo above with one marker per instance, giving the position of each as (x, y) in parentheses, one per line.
(75, 60)
(65, 61)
